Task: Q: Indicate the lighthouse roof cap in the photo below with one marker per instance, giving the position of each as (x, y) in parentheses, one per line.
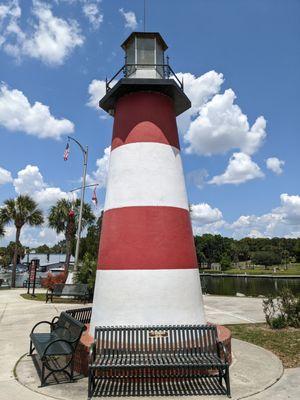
(156, 35)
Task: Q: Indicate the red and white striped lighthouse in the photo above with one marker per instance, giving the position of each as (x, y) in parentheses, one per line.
(147, 266)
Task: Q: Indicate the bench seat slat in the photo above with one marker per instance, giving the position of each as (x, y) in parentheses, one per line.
(159, 360)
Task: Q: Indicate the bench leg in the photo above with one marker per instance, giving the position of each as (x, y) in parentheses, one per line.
(227, 381)
(72, 369)
(220, 376)
(91, 384)
(43, 374)
(31, 348)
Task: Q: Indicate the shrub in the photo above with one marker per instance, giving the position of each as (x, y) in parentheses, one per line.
(278, 322)
(52, 280)
(283, 310)
(87, 272)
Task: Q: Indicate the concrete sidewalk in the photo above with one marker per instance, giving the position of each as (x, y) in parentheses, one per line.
(17, 316)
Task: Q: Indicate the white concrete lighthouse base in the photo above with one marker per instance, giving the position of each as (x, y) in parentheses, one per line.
(147, 297)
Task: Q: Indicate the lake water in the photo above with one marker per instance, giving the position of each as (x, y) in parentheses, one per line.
(228, 285)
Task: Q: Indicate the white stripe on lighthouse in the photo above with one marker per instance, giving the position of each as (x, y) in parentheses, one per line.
(145, 174)
(145, 297)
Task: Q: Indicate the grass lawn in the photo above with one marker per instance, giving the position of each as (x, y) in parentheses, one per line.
(42, 297)
(293, 269)
(285, 343)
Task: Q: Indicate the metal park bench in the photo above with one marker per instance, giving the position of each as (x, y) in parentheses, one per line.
(77, 291)
(81, 314)
(157, 360)
(57, 347)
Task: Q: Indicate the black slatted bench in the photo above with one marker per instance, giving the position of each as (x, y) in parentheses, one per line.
(56, 348)
(77, 290)
(157, 360)
(81, 314)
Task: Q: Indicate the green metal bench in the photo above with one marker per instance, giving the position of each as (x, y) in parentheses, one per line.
(77, 290)
(81, 314)
(56, 348)
(157, 360)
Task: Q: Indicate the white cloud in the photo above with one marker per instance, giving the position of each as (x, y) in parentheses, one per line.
(100, 175)
(32, 236)
(290, 208)
(199, 90)
(5, 176)
(240, 169)
(221, 126)
(203, 213)
(206, 219)
(197, 177)
(92, 12)
(283, 221)
(275, 165)
(97, 90)
(30, 181)
(17, 114)
(130, 19)
(50, 40)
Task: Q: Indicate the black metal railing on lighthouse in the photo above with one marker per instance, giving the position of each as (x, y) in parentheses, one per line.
(163, 70)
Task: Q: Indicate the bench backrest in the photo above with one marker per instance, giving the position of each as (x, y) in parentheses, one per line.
(68, 328)
(81, 314)
(79, 289)
(152, 339)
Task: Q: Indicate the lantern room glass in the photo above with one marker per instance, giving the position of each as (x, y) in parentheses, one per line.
(144, 57)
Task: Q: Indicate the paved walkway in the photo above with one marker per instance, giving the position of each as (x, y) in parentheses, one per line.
(261, 370)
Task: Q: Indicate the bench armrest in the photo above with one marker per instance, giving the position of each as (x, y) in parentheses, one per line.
(54, 322)
(42, 322)
(56, 341)
(222, 348)
(92, 353)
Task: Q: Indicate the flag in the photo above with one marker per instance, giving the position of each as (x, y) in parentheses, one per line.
(94, 198)
(67, 152)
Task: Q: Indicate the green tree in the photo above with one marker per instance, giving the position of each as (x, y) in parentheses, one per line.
(90, 243)
(297, 250)
(10, 251)
(286, 257)
(2, 231)
(266, 258)
(20, 211)
(225, 262)
(43, 249)
(63, 218)
(59, 248)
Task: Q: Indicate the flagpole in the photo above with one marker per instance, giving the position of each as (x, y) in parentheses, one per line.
(85, 158)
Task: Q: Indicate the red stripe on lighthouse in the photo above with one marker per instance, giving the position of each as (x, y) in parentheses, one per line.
(145, 117)
(147, 238)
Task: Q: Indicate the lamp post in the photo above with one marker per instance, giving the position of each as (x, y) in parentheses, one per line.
(85, 158)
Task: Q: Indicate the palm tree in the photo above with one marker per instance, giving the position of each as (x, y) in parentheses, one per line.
(63, 217)
(20, 211)
(2, 231)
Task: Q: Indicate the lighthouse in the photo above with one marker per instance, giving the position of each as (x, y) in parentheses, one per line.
(147, 271)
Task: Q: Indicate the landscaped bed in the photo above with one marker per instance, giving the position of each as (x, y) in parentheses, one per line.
(285, 343)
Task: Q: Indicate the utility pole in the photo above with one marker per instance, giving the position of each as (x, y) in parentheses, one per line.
(85, 158)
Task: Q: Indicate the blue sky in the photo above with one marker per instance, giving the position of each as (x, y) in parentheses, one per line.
(240, 61)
